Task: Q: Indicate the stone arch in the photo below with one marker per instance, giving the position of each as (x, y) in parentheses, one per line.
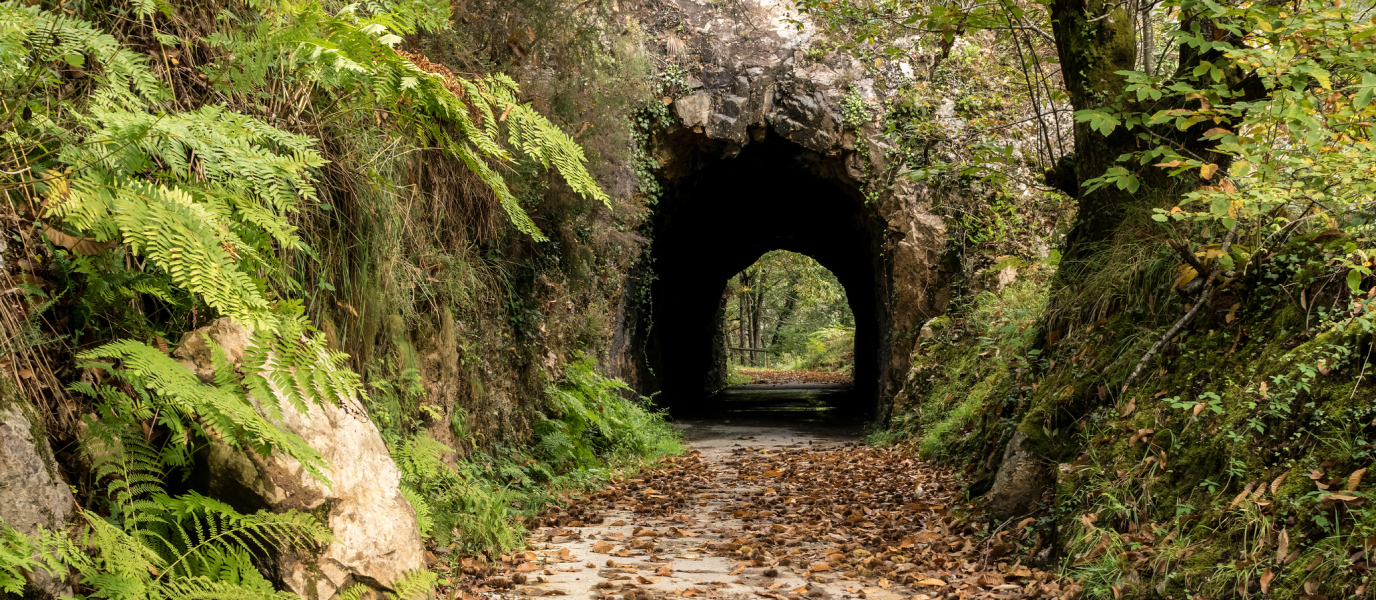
(759, 138)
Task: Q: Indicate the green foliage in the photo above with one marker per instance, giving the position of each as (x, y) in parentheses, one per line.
(831, 349)
(598, 424)
(168, 204)
(785, 298)
(415, 585)
(170, 395)
(455, 505)
(965, 375)
(152, 545)
(470, 504)
(467, 118)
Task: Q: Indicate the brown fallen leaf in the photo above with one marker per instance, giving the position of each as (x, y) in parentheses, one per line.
(776, 585)
(1266, 578)
(602, 547)
(1275, 485)
(526, 567)
(930, 581)
(1354, 480)
(1127, 409)
(79, 245)
(798, 590)
(819, 567)
(1282, 546)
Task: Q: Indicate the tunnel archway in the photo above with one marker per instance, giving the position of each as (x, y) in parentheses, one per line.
(722, 209)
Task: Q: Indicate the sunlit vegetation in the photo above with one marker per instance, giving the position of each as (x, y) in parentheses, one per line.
(788, 312)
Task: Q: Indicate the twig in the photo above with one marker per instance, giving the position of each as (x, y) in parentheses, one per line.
(1188, 255)
(1366, 361)
(1204, 299)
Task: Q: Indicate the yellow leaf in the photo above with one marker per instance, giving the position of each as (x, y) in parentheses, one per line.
(1187, 274)
(1207, 171)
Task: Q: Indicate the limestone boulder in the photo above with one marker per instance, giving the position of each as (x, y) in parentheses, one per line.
(378, 539)
(32, 492)
(1021, 480)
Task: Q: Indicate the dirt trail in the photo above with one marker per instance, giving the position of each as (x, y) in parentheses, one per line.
(785, 514)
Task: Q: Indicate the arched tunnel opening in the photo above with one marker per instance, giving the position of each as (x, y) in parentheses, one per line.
(723, 210)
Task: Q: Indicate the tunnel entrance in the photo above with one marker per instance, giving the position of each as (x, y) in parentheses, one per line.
(723, 207)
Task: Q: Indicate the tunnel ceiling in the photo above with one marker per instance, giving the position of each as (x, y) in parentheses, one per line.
(718, 220)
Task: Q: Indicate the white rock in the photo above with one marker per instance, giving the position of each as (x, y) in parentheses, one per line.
(378, 539)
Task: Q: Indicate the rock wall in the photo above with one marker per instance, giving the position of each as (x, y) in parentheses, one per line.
(32, 493)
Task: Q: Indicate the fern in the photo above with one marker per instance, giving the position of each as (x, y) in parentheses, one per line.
(178, 400)
(20, 553)
(154, 546)
(347, 51)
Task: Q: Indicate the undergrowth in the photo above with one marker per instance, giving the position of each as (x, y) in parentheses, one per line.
(475, 504)
(830, 349)
(306, 171)
(1235, 467)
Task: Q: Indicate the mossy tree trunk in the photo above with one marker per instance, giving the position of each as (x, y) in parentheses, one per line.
(1095, 41)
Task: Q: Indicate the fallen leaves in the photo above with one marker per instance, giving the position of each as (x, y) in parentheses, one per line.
(767, 376)
(795, 522)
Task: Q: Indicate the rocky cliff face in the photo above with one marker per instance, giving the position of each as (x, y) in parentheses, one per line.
(758, 92)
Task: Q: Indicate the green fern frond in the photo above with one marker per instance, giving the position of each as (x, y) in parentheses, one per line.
(414, 585)
(425, 520)
(217, 527)
(183, 399)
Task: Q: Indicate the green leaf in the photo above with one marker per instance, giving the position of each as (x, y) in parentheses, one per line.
(1219, 206)
(1363, 98)
(76, 60)
(1354, 281)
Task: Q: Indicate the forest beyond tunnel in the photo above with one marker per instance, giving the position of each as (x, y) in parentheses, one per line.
(721, 218)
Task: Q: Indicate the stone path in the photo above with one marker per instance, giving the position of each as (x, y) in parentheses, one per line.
(784, 514)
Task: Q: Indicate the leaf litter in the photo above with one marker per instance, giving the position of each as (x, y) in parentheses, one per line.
(802, 522)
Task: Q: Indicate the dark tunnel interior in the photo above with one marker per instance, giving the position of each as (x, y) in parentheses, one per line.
(720, 219)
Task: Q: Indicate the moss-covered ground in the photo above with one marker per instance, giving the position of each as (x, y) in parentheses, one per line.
(1233, 467)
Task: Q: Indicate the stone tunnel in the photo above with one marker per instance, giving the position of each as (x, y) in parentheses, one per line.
(760, 156)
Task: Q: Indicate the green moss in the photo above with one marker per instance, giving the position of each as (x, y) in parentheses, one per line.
(1258, 393)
